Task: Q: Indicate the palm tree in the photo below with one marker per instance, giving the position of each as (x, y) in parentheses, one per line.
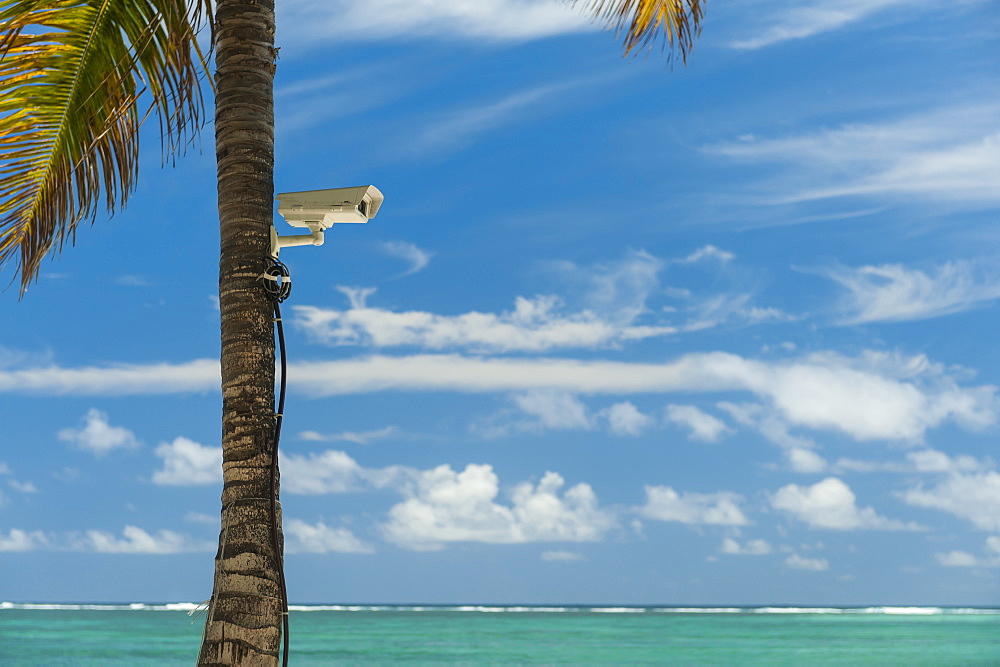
(71, 74)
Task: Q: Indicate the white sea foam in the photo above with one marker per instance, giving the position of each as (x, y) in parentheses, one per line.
(191, 607)
(908, 611)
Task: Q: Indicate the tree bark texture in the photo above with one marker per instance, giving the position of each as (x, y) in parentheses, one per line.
(245, 613)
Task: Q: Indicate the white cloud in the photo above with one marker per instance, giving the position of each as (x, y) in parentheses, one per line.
(957, 559)
(23, 487)
(716, 509)
(965, 559)
(4, 468)
(950, 155)
(22, 540)
(459, 128)
(553, 409)
(358, 438)
(919, 461)
(751, 548)
(117, 380)
(534, 325)
(135, 540)
(830, 504)
(98, 436)
(617, 291)
(797, 562)
(974, 497)
(319, 473)
(447, 506)
(894, 293)
(702, 425)
(805, 19)
(561, 556)
(705, 253)
(626, 419)
(417, 258)
(187, 463)
(318, 538)
(201, 517)
(319, 21)
(873, 396)
(724, 308)
(805, 460)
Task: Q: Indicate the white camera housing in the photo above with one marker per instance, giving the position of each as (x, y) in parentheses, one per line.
(318, 210)
(324, 208)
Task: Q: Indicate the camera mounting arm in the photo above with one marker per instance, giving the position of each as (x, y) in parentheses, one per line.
(279, 242)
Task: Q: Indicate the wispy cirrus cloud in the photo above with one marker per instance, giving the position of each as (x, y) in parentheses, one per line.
(319, 21)
(534, 325)
(357, 437)
(418, 259)
(799, 20)
(895, 293)
(947, 155)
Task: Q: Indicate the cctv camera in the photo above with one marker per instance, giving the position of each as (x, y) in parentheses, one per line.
(321, 209)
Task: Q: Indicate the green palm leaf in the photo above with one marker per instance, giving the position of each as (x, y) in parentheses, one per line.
(71, 76)
(678, 22)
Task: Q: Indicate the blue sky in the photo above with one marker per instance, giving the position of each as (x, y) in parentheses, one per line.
(621, 333)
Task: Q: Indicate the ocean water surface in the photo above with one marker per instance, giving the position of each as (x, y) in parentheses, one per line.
(149, 634)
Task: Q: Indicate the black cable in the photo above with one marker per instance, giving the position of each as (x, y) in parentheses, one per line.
(278, 285)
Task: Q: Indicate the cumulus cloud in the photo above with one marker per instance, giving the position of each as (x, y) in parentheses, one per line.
(805, 460)
(22, 540)
(135, 540)
(483, 20)
(974, 497)
(188, 463)
(318, 538)
(702, 425)
(991, 558)
(751, 548)
(447, 506)
(831, 505)
(715, 509)
(332, 471)
(894, 293)
(418, 259)
(553, 409)
(626, 419)
(98, 436)
(797, 562)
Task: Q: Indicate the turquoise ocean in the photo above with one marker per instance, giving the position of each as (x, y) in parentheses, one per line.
(166, 634)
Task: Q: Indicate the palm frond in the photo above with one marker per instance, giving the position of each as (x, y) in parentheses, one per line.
(641, 22)
(71, 76)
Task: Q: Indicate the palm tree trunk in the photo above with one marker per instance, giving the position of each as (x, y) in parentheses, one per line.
(245, 613)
